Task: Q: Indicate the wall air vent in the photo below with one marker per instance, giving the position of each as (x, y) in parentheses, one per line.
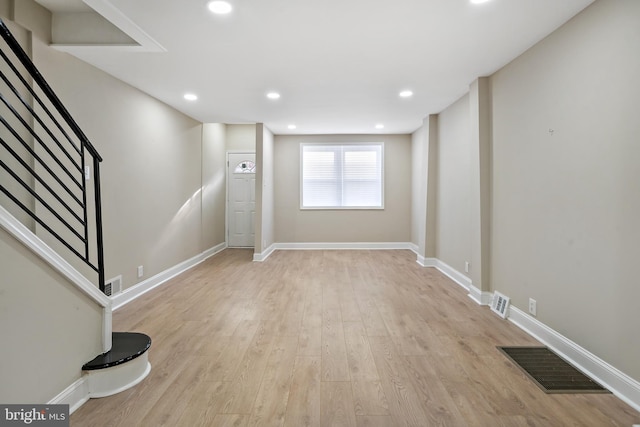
(499, 304)
(113, 286)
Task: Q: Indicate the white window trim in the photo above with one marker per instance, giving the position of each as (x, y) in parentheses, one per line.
(342, 208)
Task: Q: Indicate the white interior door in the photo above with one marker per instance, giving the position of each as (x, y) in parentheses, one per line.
(241, 205)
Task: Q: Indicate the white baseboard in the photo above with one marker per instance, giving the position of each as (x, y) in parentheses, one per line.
(454, 274)
(75, 395)
(262, 256)
(343, 246)
(427, 262)
(481, 297)
(145, 286)
(214, 250)
(620, 384)
(78, 393)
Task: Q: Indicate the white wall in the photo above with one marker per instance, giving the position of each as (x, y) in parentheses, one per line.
(453, 238)
(566, 204)
(293, 225)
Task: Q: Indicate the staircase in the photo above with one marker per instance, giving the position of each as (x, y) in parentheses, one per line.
(50, 201)
(122, 367)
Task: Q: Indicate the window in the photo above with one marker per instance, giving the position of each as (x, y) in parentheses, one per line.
(245, 166)
(341, 176)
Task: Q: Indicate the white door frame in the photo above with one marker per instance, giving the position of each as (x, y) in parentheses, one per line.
(226, 196)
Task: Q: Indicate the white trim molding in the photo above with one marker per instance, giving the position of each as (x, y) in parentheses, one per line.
(145, 286)
(25, 236)
(481, 297)
(76, 395)
(103, 382)
(454, 274)
(104, 8)
(214, 250)
(262, 256)
(620, 384)
(343, 246)
(427, 262)
(107, 328)
(51, 257)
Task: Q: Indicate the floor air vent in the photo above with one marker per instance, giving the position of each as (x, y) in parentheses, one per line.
(499, 304)
(550, 372)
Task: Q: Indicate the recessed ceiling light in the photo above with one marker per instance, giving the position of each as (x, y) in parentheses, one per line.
(379, 126)
(219, 7)
(406, 94)
(478, 1)
(291, 126)
(273, 95)
(190, 96)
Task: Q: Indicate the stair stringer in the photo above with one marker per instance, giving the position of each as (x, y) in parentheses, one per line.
(25, 236)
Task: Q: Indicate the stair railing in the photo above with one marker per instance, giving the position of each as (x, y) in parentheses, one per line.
(45, 160)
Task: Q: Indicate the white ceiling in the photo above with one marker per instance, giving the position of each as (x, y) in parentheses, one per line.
(338, 64)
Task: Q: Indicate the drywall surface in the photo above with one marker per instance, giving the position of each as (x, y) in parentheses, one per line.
(392, 224)
(566, 181)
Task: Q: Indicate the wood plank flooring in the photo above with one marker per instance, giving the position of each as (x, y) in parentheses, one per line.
(330, 338)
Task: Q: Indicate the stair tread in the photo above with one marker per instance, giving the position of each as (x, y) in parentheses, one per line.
(125, 346)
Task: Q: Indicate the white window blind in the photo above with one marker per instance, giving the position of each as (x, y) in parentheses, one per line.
(342, 176)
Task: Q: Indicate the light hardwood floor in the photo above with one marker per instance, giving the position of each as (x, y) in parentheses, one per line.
(330, 338)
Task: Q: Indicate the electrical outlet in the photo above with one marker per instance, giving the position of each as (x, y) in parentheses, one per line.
(466, 266)
(532, 306)
(140, 271)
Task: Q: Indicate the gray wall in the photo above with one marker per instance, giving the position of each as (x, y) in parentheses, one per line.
(48, 328)
(453, 218)
(265, 207)
(419, 160)
(152, 174)
(214, 137)
(566, 205)
(241, 137)
(393, 224)
(424, 186)
(563, 204)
